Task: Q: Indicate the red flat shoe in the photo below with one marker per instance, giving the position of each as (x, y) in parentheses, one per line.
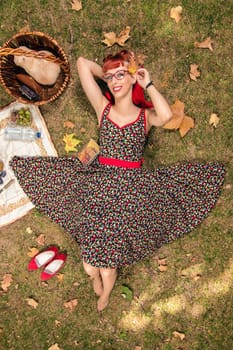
(53, 266)
(42, 258)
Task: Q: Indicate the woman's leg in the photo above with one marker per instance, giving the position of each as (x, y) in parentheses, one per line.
(94, 273)
(108, 276)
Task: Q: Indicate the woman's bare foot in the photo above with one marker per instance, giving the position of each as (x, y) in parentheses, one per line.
(97, 285)
(102, 303)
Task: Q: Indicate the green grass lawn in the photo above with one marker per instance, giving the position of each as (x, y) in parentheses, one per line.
(194, 295)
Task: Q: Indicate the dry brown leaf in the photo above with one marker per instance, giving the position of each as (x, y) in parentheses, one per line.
(194, 72)
(206, 44)
(111, 38)
(41, 239)
(6, 281)
(57, 323)
(214, 120)
(162, 268)
(186, 125)
(179, 335)
(54, 347)
(29, 230)
(32, 302)
(71, 304)
(60, 276)
(76, 5)
(138, 348)
(32, 252)
(162, 261)
(175, 13)
(68, 124)
(177, 116)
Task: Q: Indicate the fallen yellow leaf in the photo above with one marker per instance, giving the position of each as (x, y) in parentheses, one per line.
(214, 120)
(54, 347)
(76, 5)
(175, 13)
(177, 116)
(32, 252)
(162, 268)
(70, 142)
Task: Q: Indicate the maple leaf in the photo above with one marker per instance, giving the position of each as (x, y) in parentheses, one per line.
(68, 124)
(206, 44)
(70, 142)
(194, 73)
(111, 38)
(186, 125)
(133, 64)
(6, 281)
(177, 116)
(175, 13)
(71, 304)
(179, 119)
(214, 120)
(76, 5)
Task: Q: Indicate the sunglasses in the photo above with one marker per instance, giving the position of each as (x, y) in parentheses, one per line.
(119, 75)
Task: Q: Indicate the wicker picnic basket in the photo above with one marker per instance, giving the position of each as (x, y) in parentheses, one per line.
(35, 41)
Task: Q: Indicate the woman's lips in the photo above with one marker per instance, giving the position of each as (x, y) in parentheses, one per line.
(116, 88)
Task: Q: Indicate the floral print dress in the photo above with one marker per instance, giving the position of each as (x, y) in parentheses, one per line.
(116, 210)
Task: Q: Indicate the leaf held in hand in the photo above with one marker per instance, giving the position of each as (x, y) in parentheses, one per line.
(214, 120)
(206, 44)
(194, 72)
(76, 5)
(133, 64)
(71, 142)
(111, 38)
(175, 13)
(127, 293)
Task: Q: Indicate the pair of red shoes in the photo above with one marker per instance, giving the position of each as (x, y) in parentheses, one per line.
(50, 259)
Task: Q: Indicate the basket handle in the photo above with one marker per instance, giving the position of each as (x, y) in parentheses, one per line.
(6, 51)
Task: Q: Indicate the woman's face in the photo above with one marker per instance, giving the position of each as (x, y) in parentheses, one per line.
(119, 81)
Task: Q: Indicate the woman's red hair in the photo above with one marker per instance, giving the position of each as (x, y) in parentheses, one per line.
(117, 60)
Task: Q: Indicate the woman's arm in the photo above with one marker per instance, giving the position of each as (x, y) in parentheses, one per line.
(162, 112)
(88, 71)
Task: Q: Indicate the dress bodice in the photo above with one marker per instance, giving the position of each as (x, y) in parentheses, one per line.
(126, 142)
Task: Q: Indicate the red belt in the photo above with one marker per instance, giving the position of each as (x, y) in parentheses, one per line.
(120, 163)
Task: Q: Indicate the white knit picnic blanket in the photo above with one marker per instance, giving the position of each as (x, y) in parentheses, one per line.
(13, 201)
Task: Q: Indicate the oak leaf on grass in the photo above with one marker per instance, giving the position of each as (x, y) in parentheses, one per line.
(179, 335)
(206, 44)
(111, 38)
(175, 13)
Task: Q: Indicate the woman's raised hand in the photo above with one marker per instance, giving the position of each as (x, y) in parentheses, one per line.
(143, 77)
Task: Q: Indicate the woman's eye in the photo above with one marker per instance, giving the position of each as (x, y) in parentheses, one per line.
(120, 75)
